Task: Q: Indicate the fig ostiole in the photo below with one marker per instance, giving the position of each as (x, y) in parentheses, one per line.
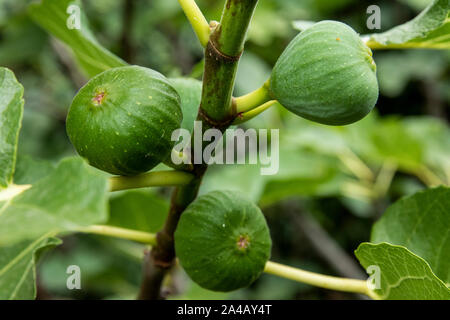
(122, 120)
(222, 241)
(327, 75)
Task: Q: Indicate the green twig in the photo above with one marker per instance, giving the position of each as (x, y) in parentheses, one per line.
(134, 235)
(197, 20)
(384, 178)
(320, 280)
(243, 117)
(356, 165)
(428, 177)
(253, 99)
(150, 179)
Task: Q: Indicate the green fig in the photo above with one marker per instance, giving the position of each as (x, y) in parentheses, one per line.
(327, 75)
(122, 120)
(222, 241)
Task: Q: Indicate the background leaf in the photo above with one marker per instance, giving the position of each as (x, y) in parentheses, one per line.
(11, 111)
(72, 196)
(430, 29)
(92, 57)
(190, 91)
(17, 267)
(29, 170)
(111, 268)
(302, 25)
(403, 274)
(421, 223)
(303, 173)
(396, 69)
(251, 182)
(138, 210)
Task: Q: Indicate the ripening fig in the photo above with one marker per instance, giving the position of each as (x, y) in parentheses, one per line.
(122, 120)
(327, 75)
(222, 241)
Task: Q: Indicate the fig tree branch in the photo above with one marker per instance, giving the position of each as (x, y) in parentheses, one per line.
(222, 53)
(159, 261)
(221, 61)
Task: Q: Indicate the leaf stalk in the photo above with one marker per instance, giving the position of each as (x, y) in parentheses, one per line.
(129, 234)
(197, 20)
(320, 280)
(150, 179)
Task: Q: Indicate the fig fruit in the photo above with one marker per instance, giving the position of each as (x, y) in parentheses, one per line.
(122, 120)
(327, 75)
(222, 241)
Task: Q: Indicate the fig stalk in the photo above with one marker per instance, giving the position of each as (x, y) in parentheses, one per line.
(222, 55)
(253, 99)
(243, 117)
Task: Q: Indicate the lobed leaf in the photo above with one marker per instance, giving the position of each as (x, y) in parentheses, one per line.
(190, 91)
(29, 170)
(138, 210)
(11, 112)
(17, 267)
(403, 275)
(430, 29)
(421, 223)
(92, 57)
(72, 196)
(302, 25)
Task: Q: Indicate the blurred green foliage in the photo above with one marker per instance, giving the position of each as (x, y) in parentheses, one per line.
(341, 176)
